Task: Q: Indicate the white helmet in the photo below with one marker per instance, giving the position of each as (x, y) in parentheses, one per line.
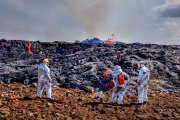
(117, 70)
(141, 63)
(117, 67)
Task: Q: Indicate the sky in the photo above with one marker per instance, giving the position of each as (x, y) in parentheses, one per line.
(144, 21)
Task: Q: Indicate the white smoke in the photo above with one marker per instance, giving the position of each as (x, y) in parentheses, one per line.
(70, 20)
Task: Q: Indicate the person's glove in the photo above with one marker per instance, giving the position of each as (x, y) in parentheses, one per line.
(50, 80)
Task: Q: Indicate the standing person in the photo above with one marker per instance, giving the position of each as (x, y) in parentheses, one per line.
(106, 83)
(143, 79)
(120, 84)
(44, 79)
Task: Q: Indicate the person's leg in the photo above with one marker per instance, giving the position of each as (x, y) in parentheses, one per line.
(140, 94)
(145, 99)
(48, 90)
(121, 95)
(145, 86)
(39, 90)
(114, 95)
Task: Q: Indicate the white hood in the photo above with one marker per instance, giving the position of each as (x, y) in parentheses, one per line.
(117, 70)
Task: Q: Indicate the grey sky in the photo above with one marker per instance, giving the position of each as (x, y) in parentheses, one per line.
(146, 21)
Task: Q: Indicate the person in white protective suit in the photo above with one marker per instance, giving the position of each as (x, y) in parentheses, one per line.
(120, 88)
(44, 79)
(143, 79)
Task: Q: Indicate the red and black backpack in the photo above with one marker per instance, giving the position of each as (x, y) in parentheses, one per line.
(121, 79)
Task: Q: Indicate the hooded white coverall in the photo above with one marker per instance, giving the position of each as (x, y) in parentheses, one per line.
(143, 79)
(44, 80)
(119, 89)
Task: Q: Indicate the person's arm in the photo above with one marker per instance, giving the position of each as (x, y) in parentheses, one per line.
(115, 83)
(49, 78)
(126, 76)
(145, 77)
(140, 76)
(114, 80)
(47, 74)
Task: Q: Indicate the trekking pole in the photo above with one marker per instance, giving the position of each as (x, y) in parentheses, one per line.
(109, 90)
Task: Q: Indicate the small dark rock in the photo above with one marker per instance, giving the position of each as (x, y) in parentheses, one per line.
(102, 111)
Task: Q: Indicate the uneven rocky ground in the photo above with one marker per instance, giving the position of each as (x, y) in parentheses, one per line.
(18, 101)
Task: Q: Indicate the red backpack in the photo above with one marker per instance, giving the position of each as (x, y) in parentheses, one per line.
(121, 79)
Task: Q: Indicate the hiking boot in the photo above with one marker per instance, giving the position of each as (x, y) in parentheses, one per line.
(101, 100)
(51, 99)
(140, 104)
(37, 97)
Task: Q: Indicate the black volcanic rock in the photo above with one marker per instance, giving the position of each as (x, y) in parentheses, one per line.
(76, 65)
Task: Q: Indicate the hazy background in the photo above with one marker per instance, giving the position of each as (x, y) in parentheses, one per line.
(146, 21)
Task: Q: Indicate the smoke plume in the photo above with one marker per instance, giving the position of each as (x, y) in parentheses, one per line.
(70, 20)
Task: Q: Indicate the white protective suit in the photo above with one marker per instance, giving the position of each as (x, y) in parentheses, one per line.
(44, 80)
(119, 89)
(143, 79)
